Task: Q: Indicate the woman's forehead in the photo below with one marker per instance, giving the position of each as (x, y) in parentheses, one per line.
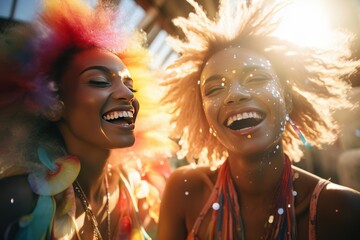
(236, 59)
(96, 57)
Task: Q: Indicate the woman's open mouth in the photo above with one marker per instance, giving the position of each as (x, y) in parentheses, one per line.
(244, 120)
(119, 117)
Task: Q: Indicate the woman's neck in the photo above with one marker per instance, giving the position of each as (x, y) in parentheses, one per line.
(257, 174)
(94, 167)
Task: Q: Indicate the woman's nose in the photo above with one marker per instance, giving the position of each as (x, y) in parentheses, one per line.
(122, 92)
(236, 93)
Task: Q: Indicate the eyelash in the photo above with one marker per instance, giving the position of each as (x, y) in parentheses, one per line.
(132, 90)
(212, 90)
(258, 78)
(99, 83)
(104, 84)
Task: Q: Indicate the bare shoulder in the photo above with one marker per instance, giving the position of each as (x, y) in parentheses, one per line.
(186, 192)
(194, 177)
(304, 185)
(338, 213)
(338, 207)
(16, 200)
(187, 184)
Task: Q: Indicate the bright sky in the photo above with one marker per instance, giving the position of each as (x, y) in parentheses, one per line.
(307, 22)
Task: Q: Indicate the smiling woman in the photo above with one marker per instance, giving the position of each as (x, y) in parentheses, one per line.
(67, 102)
(95, 87)
(244, 102)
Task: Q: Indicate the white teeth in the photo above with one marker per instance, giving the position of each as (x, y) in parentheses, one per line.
(241, 116)
(118, 114)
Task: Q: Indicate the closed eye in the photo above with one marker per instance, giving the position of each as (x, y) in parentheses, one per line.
(100, 83)
(258, 77)
(213, 90)
(132, 90)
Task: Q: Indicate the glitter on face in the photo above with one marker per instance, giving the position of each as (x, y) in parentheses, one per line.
(185, 180)
(186, 193)
(198, 82)
(216, 206)
(239, 80)
(280, 211)
(271, 219)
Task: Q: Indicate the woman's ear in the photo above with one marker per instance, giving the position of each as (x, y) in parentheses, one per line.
(54, 112)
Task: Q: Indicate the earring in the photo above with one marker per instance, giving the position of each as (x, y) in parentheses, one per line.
(298, 132)
(54, 112)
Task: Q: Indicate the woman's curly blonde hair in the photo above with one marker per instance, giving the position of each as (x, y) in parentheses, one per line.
(312, 76)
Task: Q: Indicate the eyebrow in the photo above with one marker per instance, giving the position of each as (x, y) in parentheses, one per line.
(100, 68)
(213, 78)
(107, 71)
(251, 68)
(246, 69)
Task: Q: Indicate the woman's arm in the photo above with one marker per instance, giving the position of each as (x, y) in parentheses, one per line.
(172, 224)
(338, 215)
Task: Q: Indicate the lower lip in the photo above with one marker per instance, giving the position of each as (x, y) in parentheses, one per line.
(247, 131)
(122, 125)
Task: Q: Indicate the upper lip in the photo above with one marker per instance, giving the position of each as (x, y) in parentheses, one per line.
(244, 113)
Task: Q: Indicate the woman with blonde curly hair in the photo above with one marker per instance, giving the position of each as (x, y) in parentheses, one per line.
(67, 102)
(244, 102)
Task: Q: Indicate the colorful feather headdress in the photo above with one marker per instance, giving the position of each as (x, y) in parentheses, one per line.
(29, 52)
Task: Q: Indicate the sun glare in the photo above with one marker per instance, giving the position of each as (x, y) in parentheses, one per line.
(306, 22)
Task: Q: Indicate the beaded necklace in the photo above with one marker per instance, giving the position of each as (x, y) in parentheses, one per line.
(88, 210)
